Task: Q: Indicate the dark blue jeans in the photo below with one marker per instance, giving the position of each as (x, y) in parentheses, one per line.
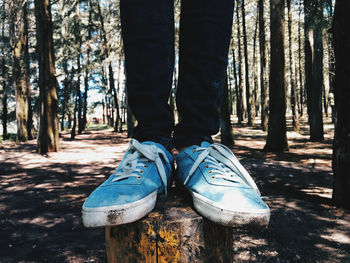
(148, 37)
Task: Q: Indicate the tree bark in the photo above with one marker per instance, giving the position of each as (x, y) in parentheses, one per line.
(276, 137)
(263, 71)
(72, 132)
(105, 55)
(314, 66)
(80, 101)
(26, 72)
(250, 106)
(48, 139)
(4, 76)
(16, 38)
(77, 32)
(255, 74)
(117, 123)
(301, 82)
(225, 118)
(331, 65)
(87, 65)
(293, 90)
(341, 147)
(240, 100)
(172, 232)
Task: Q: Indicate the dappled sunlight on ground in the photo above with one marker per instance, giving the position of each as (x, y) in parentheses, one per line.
(41, 199)
(44, 195)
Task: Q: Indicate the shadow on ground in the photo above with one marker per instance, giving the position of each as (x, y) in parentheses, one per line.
(41, 199)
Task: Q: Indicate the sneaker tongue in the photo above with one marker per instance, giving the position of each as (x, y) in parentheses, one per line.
(205, 144)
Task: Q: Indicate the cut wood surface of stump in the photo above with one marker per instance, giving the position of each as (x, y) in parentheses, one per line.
(172, 232)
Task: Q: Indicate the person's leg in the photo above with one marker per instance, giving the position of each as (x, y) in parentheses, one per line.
(148, 38)
(205, 33)
(131, 191)
(222, 190)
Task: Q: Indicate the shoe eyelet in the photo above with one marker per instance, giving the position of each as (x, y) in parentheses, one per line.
(149, 161)
(139, 177)
(194, 151)
(141, 171)
(145, 166)
(206, 166)
(212, 177)
(209, 172)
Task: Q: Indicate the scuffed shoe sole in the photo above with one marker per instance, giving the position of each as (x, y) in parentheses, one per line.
(119, 214)
(212, 211)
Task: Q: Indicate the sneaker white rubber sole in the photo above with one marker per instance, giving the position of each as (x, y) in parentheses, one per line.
(213, 212)
(118, 214)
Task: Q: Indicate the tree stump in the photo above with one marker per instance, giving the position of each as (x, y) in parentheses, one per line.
(172, 232)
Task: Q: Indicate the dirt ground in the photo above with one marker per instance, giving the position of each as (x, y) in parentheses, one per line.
(41, 199)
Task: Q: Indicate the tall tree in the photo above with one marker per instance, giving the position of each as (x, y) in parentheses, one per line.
(87, 65)
(300, 68)
(78, 37)
(238, 94)
(331, 60)
(341, 149)
(276, 137)
(293, 89)
(48, 139)
(313, 10)
(26, 72)
(254, 99)
(250, 106)
(17, 42)
(263, 72)
(3, 73)
(106, 54)
(240, 99)
(118, 126)
(225, 120)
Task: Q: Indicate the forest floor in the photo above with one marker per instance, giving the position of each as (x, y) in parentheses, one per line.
(41, 199)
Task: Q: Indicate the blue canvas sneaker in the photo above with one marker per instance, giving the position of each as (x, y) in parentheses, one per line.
(131, 191)
(221, 189)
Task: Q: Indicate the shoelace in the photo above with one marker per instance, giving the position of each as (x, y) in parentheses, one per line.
(137, 153)
(224, 163)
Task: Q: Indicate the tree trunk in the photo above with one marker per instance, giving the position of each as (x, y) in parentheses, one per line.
(105, 55)
(48, 139)
(120, 129)
(341, 147)
(77, 32)
(16, 39)
(117, 123)
(301, 82)
(225, 118)
(255, 105)
(276, 137)
(66, 89)
(241, 100)
(72, 132)
(238, 98)
(172, 232)
(263, 72)
(80, 102)
(86, 79)
(314, 66)
(250, 105)
(293, 91)
(4, 76)
(331, 65)
(26, 73)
